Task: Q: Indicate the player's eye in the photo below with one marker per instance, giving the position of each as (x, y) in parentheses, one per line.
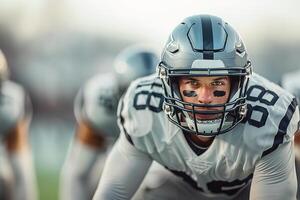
(194, 83)
(218, 83)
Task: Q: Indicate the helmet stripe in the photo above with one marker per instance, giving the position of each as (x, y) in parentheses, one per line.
(207, 36)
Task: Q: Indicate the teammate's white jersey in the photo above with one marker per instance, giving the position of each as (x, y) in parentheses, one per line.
(13, 109)
(230, 162)
(291, 82)
(12, 106)
(96, 104)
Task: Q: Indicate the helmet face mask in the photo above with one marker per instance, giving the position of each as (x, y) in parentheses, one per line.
(183, 57)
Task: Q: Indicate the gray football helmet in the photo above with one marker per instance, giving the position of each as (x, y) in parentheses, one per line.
(134, 62)
(205, 45)
(4, 73)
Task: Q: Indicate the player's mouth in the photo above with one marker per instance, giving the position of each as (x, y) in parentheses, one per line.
(203, 113)
(206, 116)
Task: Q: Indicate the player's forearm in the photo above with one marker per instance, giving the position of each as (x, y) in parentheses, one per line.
(124, 170)
(77, 172)
(24, 183)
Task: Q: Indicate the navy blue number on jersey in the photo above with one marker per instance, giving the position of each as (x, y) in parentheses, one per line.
(108, 102)
(148, 95)
(265, 97)
(215, 186)
(229, 188)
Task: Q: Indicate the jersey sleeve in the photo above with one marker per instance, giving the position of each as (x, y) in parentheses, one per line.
(132, 112)
(272, 116)
(272, 121)
(140, 115)
(124, 170)
(96, 105)
(275, 177)
(286, 127)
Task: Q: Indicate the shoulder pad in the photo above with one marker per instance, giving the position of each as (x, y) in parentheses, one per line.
(12, 106)
(272, 116)
(96, 103)
(142, 101)
(291, 82)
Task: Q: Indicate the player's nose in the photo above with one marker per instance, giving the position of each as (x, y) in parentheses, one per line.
(204, 95)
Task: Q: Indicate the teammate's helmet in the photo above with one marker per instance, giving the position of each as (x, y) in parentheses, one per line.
(134, 62)
(3, 68)
(205, 45)
(290, 81)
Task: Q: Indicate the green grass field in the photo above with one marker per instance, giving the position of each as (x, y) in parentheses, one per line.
(48, 185)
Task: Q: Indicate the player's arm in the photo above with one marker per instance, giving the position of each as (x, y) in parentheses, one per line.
(126, 164)
(275, 177)
(124, 170)
(85, 150)
(81, 159)
(20, 157)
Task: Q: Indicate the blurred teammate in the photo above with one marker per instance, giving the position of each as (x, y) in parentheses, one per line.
(291, 82)
(95, 111)
(215, 130)
(17, 177)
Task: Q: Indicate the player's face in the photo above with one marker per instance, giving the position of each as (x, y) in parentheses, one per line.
(205, 90)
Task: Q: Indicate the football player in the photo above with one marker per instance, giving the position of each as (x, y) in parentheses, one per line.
(96, 114)
(291, 82)
(214, 129)
(17, 177)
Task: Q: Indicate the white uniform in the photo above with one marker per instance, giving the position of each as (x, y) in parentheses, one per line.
(11, 112)
(16, 169)
(259, 149)
(291, 82)
(12, 108)
(97, 103)
(96, 106)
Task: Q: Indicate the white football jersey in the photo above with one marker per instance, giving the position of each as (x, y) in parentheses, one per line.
(12, 106)
(228, 164)
(96, 103)
(291, 82)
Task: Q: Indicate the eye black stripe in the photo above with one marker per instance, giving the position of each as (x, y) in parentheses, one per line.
(207, 36)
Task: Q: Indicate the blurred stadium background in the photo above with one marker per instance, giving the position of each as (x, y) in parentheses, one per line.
(54, 46)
